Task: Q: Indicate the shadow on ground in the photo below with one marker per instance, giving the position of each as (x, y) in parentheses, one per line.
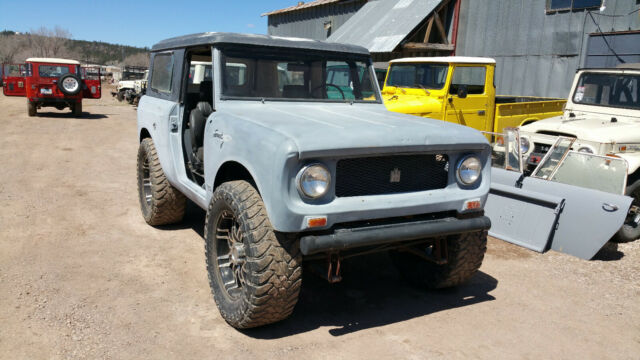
(84, 116)
(371, 294)
(609, 252)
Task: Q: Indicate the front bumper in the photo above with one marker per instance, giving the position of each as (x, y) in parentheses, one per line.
(343, 239)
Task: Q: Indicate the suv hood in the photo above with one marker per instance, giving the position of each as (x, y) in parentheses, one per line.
(343, 129)
(590, 127)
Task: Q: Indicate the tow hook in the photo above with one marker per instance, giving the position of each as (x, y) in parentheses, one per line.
(333, 272)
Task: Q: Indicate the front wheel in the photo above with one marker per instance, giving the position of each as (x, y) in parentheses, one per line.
(255, 273)
(630, 230)
(464, 255)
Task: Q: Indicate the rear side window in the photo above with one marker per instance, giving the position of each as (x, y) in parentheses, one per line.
(161, 77)
(472, 77)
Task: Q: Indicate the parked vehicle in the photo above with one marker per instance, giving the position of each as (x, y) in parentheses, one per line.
(603, 116)
(49, 82)
(288, 174)
(132, 87)
(460, 90)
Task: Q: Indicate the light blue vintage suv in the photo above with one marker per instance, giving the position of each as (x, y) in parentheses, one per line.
(244, 127)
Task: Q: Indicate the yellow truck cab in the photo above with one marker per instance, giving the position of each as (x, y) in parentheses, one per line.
(460, 90)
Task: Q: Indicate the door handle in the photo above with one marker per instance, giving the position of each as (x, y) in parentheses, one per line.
(481, 112)
(609, 207)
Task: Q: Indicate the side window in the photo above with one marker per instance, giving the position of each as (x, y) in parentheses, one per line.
(473, 77)
(162, 72)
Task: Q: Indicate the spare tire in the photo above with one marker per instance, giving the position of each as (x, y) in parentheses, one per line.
(70, 84)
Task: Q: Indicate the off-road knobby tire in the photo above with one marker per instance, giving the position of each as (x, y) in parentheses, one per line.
(167, 203)
(76, 109)
(31, 108)
(120, 95)
(628, 232)
(465, 255)
(273, 271)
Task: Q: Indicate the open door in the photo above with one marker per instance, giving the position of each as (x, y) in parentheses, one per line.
(573, 202)
(14, 79)
(91, 87)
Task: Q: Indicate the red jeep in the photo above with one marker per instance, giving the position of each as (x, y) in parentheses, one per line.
(58, 83)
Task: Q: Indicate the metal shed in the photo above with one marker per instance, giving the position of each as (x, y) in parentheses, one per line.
(538, 48)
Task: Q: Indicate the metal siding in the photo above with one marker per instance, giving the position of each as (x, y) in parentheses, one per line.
(537, 53)
(309, 23)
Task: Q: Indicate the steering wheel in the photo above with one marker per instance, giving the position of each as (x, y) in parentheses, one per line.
(327, 85)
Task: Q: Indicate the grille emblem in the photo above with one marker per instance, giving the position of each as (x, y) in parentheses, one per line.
(395, 176)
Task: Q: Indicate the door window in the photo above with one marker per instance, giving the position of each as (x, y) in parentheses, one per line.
(471, 77)
(161, 77)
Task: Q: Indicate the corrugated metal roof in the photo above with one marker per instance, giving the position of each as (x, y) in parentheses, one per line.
(381, 25)
(301, 6)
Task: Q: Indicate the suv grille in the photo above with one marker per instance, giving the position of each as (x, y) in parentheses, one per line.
(391, 174)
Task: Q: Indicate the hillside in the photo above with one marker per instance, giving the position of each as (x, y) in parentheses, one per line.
(57, 42)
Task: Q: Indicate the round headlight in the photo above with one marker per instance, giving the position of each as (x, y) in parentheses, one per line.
(524, 145)
(469, 169)
(586, 149)
(313, 180)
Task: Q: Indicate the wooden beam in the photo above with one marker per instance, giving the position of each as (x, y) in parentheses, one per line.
(428, 32)
(414, 46)
(440, 27)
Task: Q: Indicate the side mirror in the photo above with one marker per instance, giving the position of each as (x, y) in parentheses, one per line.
(462, 91)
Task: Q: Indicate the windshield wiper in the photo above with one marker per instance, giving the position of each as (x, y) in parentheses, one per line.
(423, 88)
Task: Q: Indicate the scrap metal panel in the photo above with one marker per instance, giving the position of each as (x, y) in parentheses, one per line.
(380, 25)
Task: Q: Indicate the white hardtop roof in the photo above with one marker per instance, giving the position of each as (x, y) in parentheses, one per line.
(447, 59)
(53, 61)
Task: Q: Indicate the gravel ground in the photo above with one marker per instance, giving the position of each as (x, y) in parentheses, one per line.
(83, 277)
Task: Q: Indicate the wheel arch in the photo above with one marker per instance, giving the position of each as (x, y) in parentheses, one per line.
(144, 133)
(528, 121)
(232, 170)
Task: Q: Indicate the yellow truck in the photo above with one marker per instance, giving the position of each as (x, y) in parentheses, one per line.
(460, 90)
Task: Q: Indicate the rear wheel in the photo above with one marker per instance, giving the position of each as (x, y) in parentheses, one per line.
(31, 108)
(631, 229)
(160, 202)
(464, 255)
(120, 95)
(77, 109)
(255, 273)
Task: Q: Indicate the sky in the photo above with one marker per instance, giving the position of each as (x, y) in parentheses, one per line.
(138, 22)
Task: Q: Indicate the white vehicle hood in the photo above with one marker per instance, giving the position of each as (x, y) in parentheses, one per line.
(591, 127)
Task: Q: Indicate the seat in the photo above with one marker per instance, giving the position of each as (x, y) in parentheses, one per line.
(194, 135)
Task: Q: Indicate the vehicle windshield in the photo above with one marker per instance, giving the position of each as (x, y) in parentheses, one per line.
(297, 75)
(53, 70)
(418, 75)
(615, 90)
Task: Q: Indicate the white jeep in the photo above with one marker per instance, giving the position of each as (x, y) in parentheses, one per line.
(603, 114)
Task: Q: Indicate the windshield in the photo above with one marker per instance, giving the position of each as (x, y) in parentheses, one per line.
(262, 74)
(425, 75)
(615, 90)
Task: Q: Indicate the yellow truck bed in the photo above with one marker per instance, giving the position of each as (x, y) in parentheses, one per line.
(512, 111)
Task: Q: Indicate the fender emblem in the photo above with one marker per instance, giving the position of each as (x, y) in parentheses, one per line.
(395, 175)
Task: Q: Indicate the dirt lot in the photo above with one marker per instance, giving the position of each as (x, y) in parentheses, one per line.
(82, 275)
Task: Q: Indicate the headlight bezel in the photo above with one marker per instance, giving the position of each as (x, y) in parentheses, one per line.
(459, 165)
(299, 179)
